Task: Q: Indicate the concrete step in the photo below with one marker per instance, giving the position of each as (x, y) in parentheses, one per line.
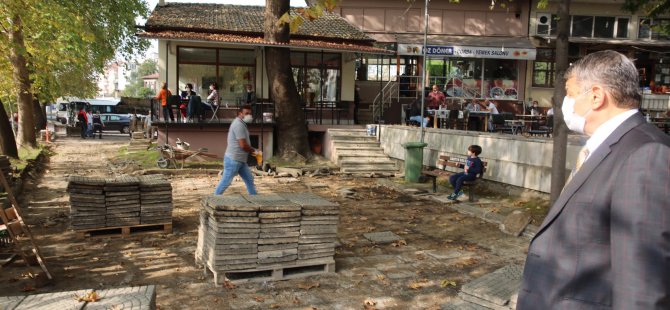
(367, 169)
(353, 132)
(367, 160)
(361, 153)
(350, 144)
(357, 149)
(339, 137)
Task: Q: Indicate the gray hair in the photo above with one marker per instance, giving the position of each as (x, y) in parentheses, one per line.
(614, 71)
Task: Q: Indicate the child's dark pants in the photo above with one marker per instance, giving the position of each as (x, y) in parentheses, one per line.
(457, 180)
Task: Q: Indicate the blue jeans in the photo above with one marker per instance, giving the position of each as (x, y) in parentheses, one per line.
(457, 180)
(418, 120)
(231, 168)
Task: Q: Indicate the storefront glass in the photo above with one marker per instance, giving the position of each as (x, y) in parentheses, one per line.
(317, 77)
(231, 69)
(462, 77)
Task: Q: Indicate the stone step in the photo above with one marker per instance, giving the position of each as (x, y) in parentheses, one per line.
(357, 149)
(367, 160)
(368, 169)
(360, 153)
(338, 144)
(348, 131)
(339, 137)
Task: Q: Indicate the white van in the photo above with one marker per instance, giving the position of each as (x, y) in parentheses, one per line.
(68, 109)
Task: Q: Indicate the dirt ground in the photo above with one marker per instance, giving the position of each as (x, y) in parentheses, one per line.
(441, 249)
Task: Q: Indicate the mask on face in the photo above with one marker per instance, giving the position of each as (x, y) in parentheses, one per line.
(248, 118)
(575, 122)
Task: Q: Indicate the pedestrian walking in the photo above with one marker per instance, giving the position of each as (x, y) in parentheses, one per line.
(98, 124)
(83, 122)
(237, 152)
(605, 243)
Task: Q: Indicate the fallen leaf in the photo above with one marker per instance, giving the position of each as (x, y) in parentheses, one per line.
(446, 283)
(296, 300)
(259, 299)
(274, 306)
(89, 297)
(399, 243)
(418, 284)
(228, 285)
(308, 286)
(369, 304)
(27, 288)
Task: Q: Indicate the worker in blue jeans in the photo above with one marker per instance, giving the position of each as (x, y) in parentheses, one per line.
(237, 151)
(473, 166)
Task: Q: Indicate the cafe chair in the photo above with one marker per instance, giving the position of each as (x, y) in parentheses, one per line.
(215, 110)
(452, 119)
(173, 102)
(545, 129)
(499, 124)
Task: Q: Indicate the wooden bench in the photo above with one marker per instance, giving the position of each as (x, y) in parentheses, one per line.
(446, 161)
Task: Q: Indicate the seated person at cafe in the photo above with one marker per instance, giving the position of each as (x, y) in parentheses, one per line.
(491, 107)
(185, 108)
(550, 112)
(213, 98)
(415, 113)
(534, 109)
(474, 122)
(250, 99)
(435, 98)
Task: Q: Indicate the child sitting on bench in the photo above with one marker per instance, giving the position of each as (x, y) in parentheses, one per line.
(473, 166)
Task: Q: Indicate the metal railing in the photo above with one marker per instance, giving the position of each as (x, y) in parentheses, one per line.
(384, 99)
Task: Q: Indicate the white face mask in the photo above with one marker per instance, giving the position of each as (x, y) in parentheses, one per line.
(574, 121)
(247, 118)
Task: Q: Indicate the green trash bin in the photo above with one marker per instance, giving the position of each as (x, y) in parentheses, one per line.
(413, 160)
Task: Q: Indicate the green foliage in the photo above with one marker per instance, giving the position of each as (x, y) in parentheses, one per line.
(67, 43)
(651, 8)
(135, 87)
(315, 10)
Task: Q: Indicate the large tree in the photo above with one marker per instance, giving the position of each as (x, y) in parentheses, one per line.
(56, 47)
(651, 8)
(290, 120)
(560, 129)
(7, 142)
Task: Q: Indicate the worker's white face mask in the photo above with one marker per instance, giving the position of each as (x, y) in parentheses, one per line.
(248, 119)
(574, 121)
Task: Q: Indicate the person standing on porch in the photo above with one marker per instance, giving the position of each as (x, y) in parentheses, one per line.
(357, 103)
(163, 97)
(435, 98)
(237, 152)
(250, 99)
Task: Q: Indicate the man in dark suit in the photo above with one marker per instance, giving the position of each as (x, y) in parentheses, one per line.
(605, 243)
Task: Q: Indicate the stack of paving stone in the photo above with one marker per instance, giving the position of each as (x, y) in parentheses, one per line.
(6, 169)
(318, 226)
(265, 231)
(122, 199)
(155, 199)
(228, 233)
(87, 202)
(279, 229)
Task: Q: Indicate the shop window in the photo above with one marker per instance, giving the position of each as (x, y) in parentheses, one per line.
(650, 29)
(622, 27)
(604, 27)
(500, 79)
(582, 26)
(544, 68)
(317, 76)
(198, 66)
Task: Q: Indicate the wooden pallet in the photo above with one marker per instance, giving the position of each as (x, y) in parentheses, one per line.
(125, 231)
(277, 272)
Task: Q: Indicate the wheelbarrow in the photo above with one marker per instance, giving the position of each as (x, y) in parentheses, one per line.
(169, 155)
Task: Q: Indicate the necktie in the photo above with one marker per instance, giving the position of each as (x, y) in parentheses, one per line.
(581, 158)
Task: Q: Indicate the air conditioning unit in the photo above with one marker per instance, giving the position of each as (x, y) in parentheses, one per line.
(543, 24)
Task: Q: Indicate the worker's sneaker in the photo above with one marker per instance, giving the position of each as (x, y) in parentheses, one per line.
(451, 197)
(459, 194)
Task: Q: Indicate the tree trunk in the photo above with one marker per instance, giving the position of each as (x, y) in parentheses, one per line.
(7, 142)
(292, 137)
(40, 115)
(26, 130)
(560, 129)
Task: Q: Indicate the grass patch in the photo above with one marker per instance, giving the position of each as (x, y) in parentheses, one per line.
(147, 159)
(26, 155)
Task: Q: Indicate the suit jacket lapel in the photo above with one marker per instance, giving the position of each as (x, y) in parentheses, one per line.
(587, 169)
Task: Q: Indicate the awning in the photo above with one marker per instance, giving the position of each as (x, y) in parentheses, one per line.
(468, 46)
(254, 41)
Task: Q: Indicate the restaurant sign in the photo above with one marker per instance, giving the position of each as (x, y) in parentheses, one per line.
(468, 51)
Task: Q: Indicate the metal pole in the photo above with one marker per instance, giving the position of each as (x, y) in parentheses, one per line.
(425, 69)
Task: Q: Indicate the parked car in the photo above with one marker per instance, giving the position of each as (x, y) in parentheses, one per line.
(120, 122)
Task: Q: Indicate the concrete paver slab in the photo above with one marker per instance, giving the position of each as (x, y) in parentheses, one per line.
(10, 302)
(495, 288)
(382, 237)
(50, 301)
(125, 298)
